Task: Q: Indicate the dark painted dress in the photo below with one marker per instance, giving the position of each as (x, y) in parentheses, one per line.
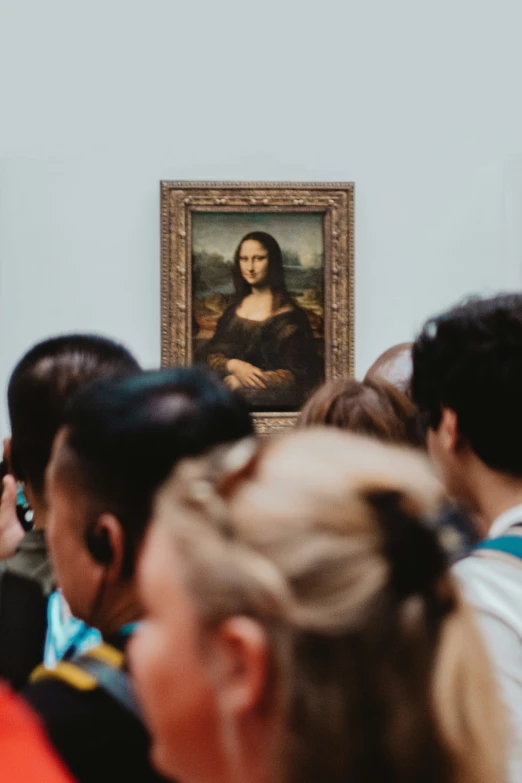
(283, 347)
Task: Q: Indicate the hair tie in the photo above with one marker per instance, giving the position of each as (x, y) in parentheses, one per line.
(414, 551)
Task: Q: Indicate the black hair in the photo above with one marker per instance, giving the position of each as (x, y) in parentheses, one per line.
(275, 277)
(469, 360)
(125, 437)
(40, 386)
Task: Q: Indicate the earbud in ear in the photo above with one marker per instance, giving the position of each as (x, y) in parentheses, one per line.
(99, 545)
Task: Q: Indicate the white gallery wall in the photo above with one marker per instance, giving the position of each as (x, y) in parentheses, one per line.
(417, 102)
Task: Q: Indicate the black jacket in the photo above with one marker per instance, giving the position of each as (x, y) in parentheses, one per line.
(98, 739)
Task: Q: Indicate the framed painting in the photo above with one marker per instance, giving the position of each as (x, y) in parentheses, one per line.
(258, 284)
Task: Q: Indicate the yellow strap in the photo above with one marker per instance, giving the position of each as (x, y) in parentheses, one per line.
(73, 675)
(108, 654)
(67, 672)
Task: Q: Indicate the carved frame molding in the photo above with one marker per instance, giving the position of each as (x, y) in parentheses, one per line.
(335, 200)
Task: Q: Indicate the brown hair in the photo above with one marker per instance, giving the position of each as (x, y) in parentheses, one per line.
(373, 408)
(379, 671)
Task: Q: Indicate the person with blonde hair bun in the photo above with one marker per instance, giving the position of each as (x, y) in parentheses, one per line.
(301, 625)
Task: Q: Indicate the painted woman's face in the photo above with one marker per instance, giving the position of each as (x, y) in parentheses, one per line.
(253, 262)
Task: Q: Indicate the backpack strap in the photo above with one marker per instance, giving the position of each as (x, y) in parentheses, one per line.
(101, 667)
(508, 545)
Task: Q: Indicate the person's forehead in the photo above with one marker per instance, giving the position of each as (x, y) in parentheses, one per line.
(252, 246)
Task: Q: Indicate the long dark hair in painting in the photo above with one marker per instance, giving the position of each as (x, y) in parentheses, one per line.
(275, 277)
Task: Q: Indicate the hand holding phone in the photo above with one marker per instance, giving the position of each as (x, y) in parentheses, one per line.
(11, 530)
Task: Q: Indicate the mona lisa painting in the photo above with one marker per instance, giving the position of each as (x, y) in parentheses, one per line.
(257, 283)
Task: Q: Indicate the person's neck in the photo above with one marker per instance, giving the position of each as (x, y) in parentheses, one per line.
(251, 765)
(260, 293)
(494, 493)
(124, 609)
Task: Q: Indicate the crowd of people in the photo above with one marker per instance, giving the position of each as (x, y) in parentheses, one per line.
(182, 600)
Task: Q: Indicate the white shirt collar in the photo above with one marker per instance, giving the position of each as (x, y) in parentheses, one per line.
(505, 521)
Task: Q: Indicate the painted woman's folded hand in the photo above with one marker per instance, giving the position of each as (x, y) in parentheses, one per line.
(247, 375)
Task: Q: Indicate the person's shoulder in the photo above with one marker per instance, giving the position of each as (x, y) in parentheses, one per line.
(69, 709)
(227, 316)
(229, 311)
(97, 737)
(296, 314)
(289, 317)
(58, 701)
(489, 566)
(21, 644)
(492, 584)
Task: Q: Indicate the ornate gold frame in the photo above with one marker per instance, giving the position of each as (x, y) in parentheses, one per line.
(334, 199)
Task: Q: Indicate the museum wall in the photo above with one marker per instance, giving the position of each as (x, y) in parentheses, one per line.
(418, 103)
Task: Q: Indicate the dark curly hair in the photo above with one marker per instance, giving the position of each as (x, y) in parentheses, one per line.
(469, 359)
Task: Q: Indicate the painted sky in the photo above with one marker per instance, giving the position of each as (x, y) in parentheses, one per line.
(220, 232)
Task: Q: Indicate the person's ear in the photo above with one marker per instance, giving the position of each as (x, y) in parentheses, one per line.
(449, 431)
(7, 454)
(106, 543)
(240, 664)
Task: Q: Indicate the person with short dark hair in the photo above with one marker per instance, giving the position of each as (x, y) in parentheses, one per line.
(39, 389)
(119, 441)
(467, 383)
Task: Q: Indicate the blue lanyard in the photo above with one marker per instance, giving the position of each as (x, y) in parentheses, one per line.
(128, 629)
